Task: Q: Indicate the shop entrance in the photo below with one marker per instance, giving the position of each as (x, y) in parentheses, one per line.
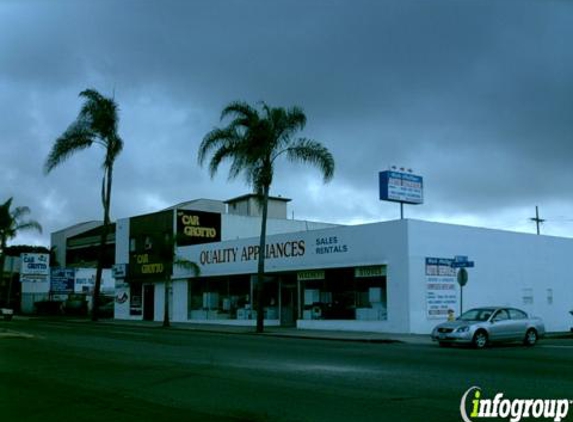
(288, 295)
(148, 302)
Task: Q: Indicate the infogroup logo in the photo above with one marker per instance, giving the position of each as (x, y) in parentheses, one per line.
(514, 409)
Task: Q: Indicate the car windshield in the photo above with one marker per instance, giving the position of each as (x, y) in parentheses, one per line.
(476, 315)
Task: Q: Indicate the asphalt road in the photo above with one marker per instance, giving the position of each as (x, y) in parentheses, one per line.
(80, 371)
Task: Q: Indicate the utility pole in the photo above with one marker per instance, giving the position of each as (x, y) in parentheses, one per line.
(537, 220)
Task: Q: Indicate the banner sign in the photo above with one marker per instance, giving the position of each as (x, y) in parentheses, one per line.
(310, 275)
(62, 280)
(151, 252)
(401, 187)
(372, 271)
(441, 293)
(196, 227)
(35, 264)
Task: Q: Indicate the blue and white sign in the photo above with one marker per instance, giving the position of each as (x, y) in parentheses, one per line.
(62, 280)
(441, 292)
(461, 261)
(401, 187)
(35, 264)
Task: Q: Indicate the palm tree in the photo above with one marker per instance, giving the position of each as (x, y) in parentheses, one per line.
(11, 223)
(96, 124)
(253, 141)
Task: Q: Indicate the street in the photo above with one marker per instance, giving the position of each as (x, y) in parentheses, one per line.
(82, 371)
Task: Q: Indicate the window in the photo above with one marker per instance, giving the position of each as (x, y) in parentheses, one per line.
(148, 244)
(344, 294)
(527, 295)
(517, 314)
(501, 315)
(228, 298)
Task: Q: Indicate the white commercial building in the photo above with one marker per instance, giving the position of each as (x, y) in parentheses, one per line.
(393, 277)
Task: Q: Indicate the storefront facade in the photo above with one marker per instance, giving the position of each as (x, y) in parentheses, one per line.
(391, 277)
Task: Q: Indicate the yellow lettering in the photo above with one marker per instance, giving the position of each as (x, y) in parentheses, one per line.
(142, 259)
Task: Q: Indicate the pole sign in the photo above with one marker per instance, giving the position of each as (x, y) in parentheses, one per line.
(401, 187)
(462, 277)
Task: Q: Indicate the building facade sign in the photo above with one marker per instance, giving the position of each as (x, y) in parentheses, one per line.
(62, 280)
(441, 293)
(371, 271)
(296, 251)
(196, 227)
(151, 246)
(310, 275)
(35, 266)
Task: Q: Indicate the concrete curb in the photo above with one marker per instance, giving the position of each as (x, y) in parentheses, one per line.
(355, 337)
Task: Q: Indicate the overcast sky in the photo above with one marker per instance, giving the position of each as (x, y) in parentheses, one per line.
(474, 95)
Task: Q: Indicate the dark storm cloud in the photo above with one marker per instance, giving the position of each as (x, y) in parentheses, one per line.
(475, 95)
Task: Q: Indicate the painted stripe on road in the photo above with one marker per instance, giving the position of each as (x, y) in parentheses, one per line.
(556, 347)
(131, 333)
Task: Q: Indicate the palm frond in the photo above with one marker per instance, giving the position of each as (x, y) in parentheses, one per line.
(76, 138)
(213, 140)
(313, 152)
(20, 212)
(187, 265)
(253, 139)
(239, 109)
(11, 220)
(28, 225)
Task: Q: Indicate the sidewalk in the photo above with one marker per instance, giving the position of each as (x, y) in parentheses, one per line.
(292, 332)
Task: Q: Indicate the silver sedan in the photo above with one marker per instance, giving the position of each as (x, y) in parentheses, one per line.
(481, 326)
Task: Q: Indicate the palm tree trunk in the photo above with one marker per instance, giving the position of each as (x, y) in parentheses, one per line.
(106, 199)
(261, 263)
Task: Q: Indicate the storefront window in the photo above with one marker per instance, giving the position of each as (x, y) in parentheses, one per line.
(345, 294)
(229, 298)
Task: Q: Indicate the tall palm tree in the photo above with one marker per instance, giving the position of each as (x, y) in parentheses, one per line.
(11, 223)
(97, 124)
(252, 141)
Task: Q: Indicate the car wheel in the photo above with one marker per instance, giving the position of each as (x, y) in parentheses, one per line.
(480, 339)
(530, 337)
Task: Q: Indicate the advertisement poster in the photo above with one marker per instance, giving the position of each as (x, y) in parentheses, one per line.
(441, 291)
(401, 187)
(62, 280)
(35, 267)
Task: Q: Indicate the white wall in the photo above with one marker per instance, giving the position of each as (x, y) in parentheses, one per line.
(505, 264)
(159, 298)
(179, 306)
(240, 227)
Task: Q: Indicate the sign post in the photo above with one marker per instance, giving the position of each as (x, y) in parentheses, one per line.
(402, 187)
(462, 263)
